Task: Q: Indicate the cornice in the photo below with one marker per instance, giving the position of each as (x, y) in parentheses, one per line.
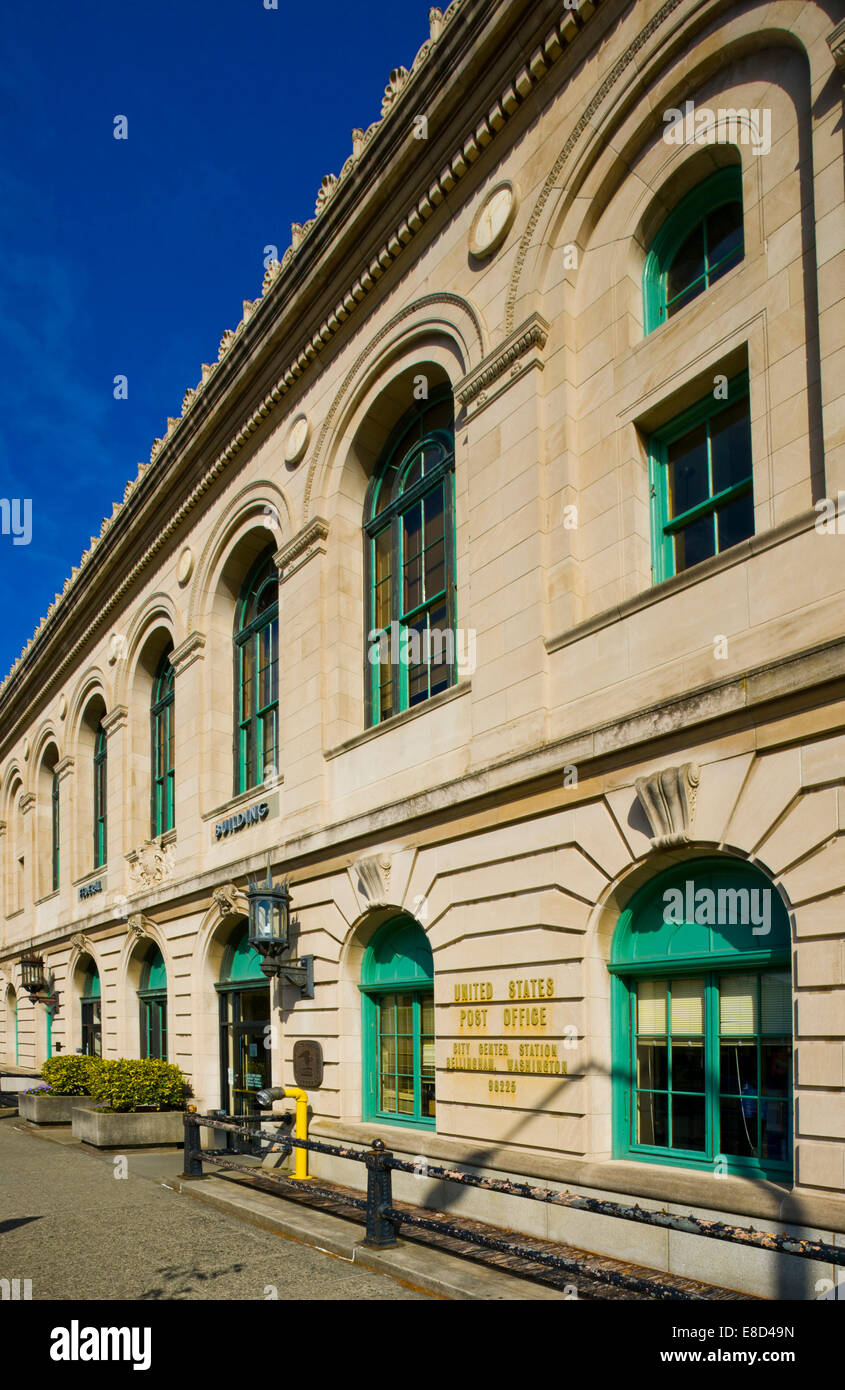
(301, 548)
(482, 134)
(64, 768)
(26, 803)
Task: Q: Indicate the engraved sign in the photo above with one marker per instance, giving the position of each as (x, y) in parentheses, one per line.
(308, 1065)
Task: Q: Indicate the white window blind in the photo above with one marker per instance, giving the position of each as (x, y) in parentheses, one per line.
(687, 1006)
(738, 1005)
(651, 1006)
(777, 1002)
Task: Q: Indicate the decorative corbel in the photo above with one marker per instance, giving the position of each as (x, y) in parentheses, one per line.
(229, 898)
(668, 800)
(372, 875)
(139, 925)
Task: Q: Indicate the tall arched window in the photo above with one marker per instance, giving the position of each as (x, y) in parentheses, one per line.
(100, 797)
(700, 241)
(410, 562)
(397, 991)
(702, 1022)
(257, 676)
(162, 716)
(152, 997)
(54, 826)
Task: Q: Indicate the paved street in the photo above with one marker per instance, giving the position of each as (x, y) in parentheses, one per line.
(77, 1232)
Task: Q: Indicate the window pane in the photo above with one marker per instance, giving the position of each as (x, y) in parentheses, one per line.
(730, 445)
(382, 552)
(652, 1118)
(412, 553)
(738, 1067)
(688, 1006)
(774, 1137)
(441, 650)
(724, 238)
(651, 1006)
(418, 668)
(776, 1065)
(776, 1002)
(738, 1127)
(735, 521)
(435, 574)
(687, 265)
(688, 1125)
(687, 1066)
(738, 1004)
(687, 464)
(696, 542)
(652, 1074)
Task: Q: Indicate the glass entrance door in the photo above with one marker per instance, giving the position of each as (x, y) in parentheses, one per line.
(244, 1054)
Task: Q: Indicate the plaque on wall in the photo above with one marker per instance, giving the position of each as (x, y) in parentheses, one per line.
(308, 1065)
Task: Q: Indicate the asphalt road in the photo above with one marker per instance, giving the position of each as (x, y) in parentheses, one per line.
(78, 1233)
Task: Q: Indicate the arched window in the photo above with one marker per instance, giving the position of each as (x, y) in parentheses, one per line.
(397, 990)
(702, 1022)
(163, 747)
(410, 562)
(100, 797)
(152, 997)
(257, 676)
(54, 826)
(700, 241)
(92, 1041)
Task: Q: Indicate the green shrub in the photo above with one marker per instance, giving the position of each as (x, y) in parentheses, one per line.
(70, 1076)
(137, 1085)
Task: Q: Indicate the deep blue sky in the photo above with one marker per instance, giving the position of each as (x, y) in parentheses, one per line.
(132, 256)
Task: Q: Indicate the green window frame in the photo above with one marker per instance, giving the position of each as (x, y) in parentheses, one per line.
(700, 241)
(701, 481)
(409, 549)
(54, 830)
(163, 739)
(152, 999)
(100, 797)
(702, 1031)
(397, 994)
(257, 676)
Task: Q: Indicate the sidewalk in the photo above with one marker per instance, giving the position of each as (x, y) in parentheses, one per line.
(439, 1264)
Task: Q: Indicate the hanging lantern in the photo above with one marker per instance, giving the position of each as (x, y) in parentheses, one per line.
(32, 973)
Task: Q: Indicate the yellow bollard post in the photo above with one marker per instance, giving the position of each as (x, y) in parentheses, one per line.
(300, 1172)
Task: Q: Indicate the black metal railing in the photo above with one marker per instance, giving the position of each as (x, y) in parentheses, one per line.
(383, 1219)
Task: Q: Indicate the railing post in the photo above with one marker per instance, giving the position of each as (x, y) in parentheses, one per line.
(381, 1231)
(193, 1149)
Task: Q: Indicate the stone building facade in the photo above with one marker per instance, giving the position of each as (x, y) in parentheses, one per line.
(554, 373)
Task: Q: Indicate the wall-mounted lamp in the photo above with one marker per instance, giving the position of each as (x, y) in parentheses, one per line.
(269, 933)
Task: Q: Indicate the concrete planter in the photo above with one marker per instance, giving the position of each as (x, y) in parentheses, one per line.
(51, 1110)
(131, 1129)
